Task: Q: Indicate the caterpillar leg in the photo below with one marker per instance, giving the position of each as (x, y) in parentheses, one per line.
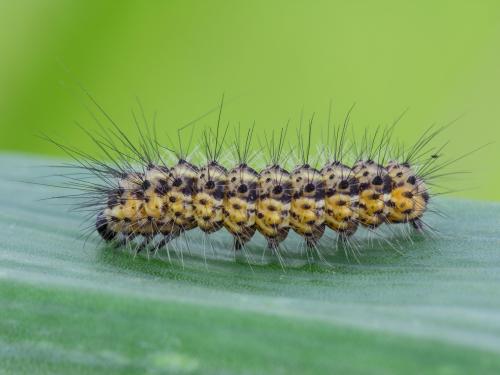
(273, 243)
(166, 239)
(345, 236)
(313, 239)
(242, 236)
(237, 244)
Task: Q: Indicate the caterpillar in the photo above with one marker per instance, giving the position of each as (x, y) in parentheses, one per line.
(140, 191)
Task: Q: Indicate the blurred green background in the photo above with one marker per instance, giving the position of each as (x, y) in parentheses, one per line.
(273, 58)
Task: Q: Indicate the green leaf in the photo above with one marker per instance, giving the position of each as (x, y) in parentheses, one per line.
(69, 308)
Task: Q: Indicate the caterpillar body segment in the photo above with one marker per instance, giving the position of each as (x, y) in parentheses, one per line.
(208, 200)
(240, 204)
(374, 188)
(341, 198)
(308, 203)
(409, 196)
(155, 204)
(154, 188)
(181, 187)
(273, 205)
(127, 212)
(241, 192)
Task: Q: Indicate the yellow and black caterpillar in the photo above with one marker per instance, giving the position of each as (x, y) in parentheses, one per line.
(138, 194)
(273, 201)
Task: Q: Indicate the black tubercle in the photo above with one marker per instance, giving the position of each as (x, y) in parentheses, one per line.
(408, 194)
(252, 197)
(354, 187)
(377, 181)
(242, 189)
(344, 184)
(146, 185)
(309, 188)
(387, 184)
(219, 193)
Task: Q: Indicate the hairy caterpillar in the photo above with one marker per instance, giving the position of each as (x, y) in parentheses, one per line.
(141, 192)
